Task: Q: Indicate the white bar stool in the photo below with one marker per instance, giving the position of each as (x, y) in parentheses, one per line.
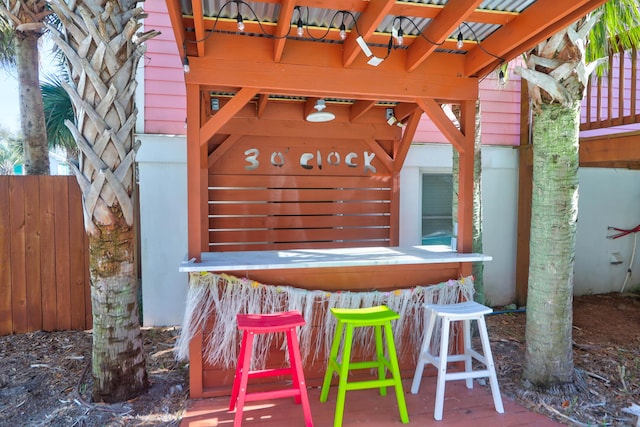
(447, 313)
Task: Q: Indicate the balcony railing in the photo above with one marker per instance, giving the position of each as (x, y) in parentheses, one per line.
(612, 99)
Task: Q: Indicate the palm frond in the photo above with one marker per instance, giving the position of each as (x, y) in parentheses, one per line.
(57, 109)
(617, 29)
(7, 45)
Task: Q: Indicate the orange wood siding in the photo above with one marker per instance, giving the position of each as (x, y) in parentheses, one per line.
(276, 193)
(44, 258)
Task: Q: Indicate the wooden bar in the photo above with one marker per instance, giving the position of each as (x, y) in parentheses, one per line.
(341, 269)
(245, 261)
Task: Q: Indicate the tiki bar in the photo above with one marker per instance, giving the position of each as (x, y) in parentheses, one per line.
(297, 131)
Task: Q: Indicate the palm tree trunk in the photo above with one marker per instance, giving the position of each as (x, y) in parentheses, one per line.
(103, 49)
(477, 268)
(118, 359)
(36, 148)
(554, 207)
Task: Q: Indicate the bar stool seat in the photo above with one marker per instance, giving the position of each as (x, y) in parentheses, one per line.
(378, 317)
(252, 324)
(447, 313)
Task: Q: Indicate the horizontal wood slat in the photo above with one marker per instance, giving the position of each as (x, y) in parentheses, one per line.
(301, 209)
(293, 221)
(297, 194)
(288, 246)
(44, 255)
(299, 181)
(261, 212)
(304, 235)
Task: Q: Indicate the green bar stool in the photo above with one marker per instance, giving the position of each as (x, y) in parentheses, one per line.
(379, 317)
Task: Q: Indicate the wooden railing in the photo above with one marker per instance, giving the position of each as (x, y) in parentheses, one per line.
(612, 98)
(44, 259)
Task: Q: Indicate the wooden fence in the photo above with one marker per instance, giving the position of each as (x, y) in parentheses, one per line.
(44, 257)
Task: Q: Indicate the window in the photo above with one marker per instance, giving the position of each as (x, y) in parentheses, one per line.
(437, 196)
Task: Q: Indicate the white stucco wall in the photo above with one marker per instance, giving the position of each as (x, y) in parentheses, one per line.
(607, 198)
(163, 228)
(499, 198)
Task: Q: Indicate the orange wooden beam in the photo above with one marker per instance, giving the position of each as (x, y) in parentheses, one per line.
(368, 21)
(382, 155)
(439, 29)
(177, 23)
(302, 129)
(197, 175)
(465, 180)
(404, 110)
(322, 74)
(198, 20)
(407, 138)
(222, 148)
(442, 122)
(226, 113)
(263, 100)
(283, 27)
(524, 32)
(359, 108)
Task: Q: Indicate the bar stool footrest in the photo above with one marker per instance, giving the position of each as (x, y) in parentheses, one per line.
(367, 384)
(272, 394)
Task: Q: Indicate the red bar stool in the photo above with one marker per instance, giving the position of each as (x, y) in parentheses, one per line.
(252, 324)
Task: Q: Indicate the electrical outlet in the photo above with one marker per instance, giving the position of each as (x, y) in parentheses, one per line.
(390, 113)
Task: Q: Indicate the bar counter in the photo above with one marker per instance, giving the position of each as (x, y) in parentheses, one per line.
(319, 258)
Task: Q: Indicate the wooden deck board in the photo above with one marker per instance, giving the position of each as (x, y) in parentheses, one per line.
(462, 407)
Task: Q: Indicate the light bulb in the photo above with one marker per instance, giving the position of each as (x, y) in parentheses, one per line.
(501, 78)
(300, 28)
(343, 32)
(460, 40)
(240, 23)
(185, 64)
(400, 37)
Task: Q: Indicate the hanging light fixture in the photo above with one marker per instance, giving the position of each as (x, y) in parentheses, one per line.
(319, 115)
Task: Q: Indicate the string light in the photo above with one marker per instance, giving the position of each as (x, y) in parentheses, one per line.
(240, 23)
(501, 78)
(343, 32)
(300, 24)
(185, 59)
(300, 28)
(185, 64)
(400, 37)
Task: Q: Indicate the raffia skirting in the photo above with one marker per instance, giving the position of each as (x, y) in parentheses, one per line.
(222, 297)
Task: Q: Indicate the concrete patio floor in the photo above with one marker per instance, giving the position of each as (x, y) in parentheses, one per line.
(462, 407)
